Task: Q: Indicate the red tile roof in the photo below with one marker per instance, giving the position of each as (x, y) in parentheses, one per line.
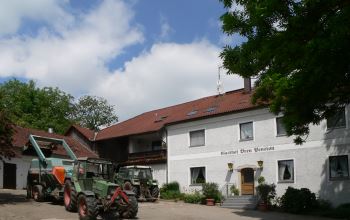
(21, 138)
(152, 121)
(89, 134)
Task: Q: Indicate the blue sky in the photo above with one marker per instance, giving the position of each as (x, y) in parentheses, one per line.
(139, 55)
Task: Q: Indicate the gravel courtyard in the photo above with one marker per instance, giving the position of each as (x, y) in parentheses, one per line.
(15, 206)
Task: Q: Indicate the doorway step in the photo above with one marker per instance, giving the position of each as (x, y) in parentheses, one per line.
(240, 202)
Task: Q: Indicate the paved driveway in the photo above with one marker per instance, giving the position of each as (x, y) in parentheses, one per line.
(15, 206)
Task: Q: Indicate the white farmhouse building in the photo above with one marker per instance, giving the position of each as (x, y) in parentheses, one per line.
(228, 145)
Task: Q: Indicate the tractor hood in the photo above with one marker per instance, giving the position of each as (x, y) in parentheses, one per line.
(103, 187)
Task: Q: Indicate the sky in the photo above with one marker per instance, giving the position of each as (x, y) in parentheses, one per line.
(140, 55)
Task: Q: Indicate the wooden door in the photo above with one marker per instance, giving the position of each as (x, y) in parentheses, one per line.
(9, 176)
(247, 179)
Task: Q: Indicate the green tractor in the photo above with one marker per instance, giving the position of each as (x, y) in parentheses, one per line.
(140, 180)
(92, 192)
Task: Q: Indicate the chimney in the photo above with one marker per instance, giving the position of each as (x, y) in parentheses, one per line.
(247, 85)
(50, 130)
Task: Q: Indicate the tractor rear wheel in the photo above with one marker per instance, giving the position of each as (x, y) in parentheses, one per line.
(70, 197)
(87, 208)
(155, 192)
(132, 209)
(37, 193)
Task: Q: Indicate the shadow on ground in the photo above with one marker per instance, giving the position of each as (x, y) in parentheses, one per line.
(271, 215)
(10, 198)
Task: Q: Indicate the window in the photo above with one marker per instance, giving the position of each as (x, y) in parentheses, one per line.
(286, 171)
(197, 138)
(246, 130)
(280, 127)
(197, 175)
(337, 120)
(338, 167)
(156, 145)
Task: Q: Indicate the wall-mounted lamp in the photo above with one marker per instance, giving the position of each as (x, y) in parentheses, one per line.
(230, 167)
(260, 163)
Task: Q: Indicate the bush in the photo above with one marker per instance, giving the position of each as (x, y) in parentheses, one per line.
(195, 198)
(298, 200)
(261, 180)
(172, 186)
(234, 190)
(170, 191)
(211, 191)
(267, 192)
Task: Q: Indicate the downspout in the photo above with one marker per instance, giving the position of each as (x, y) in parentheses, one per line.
(167, 155)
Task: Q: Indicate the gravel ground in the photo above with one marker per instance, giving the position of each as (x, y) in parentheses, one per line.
(15, 206)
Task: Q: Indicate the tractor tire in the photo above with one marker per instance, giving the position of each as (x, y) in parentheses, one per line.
(29, 192)
(155, 192)
(37, 193)
(132, 210)
(87, 208)
(135, 189)
(70, 197)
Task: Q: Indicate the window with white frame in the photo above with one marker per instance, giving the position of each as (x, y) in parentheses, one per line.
(338, 167)
(281, 130)
(197, 175)
(197, 138)
(286, 171)
(338, 120)
(246, 131)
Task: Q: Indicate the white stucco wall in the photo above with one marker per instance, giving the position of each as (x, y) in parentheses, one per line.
(222, 145)
(159, 173)
(22, 165)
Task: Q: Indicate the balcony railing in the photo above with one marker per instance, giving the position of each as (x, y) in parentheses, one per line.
(156, 156)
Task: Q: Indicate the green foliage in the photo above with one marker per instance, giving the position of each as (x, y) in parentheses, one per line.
(6, 132)
(266, 192)
(211, 191)
(170, 191)
(298, 200)
(299, 53)
(93, 112)
(234, 190)
(261, 179)
(195, 198)
(41, 108)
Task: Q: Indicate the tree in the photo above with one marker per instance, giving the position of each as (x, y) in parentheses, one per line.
(33, 107)
(299, 51)
(6, 131)
(93, 112)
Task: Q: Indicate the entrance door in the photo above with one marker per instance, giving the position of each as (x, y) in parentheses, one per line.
(9, 176)
(247, 178)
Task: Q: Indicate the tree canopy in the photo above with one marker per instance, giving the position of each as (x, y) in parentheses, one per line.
(93, 112)
(41, 108)
(6, 131)
(299, 51)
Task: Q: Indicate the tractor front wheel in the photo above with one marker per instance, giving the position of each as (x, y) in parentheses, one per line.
(70, 197)
(155, 192)
(37, 193)
(135, 189)
(87, 208)
(132, 209)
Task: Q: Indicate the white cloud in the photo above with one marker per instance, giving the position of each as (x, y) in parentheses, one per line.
(13, 12)
(165, 29)
(166, 75)
(76, 60)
